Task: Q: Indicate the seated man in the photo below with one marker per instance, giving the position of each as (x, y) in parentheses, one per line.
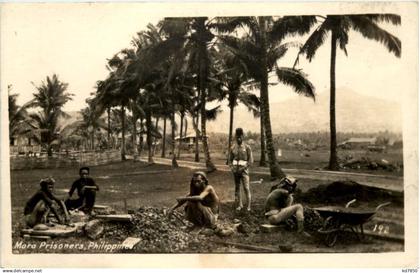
(41, 203)
(202, 203)
(86, 191)
(279, 204)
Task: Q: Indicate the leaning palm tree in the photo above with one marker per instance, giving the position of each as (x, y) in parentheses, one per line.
(50, 97)
(260, 48)
(339, 27)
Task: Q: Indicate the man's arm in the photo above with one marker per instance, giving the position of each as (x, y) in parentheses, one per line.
(207, 191)
(73, 188)
(94, 184)
(230, 157)
(177, 205)
(250, 157)
(48, 199)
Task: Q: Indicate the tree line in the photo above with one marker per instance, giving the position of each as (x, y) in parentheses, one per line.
(180, 66)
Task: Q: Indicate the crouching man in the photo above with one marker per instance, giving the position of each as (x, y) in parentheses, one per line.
(42, 203)
(279, 204)
(202, 203)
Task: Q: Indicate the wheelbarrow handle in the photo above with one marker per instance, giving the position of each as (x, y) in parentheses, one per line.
(382, 205)
(350, 202)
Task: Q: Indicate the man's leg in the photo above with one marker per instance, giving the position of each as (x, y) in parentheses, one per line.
(238, 197)
(72, 204)
(245, 183)
(286, 213)
(89, 200)
(200, 215)
(38, 215)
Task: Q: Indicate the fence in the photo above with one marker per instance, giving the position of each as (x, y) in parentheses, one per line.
(63, 160)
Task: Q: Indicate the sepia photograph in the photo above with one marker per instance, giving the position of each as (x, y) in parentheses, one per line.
(139, 128)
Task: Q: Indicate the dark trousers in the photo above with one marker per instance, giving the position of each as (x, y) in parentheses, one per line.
(84, 202)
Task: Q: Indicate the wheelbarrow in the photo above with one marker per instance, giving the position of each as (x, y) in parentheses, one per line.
(338, 219)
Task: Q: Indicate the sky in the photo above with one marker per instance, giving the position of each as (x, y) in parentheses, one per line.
(75, 41)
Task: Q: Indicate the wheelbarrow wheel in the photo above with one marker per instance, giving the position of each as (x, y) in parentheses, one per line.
(331, 239)
(330, 228)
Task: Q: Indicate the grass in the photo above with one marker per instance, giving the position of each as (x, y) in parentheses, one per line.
(140, 184)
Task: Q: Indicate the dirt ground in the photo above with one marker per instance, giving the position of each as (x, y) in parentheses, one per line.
(318, 159)
(131, 185)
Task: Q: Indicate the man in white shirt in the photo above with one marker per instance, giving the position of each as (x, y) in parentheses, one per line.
(240, 158)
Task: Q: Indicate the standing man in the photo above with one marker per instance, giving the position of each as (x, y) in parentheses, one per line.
(86, 191)
(240, 158)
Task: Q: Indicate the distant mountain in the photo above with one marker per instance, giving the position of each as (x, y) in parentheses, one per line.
(355, 113)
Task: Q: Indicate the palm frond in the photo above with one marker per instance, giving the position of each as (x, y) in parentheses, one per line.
(211, 114)
(369, 29)
(290, 25)
(316, 39)
(385, 17)
(297, 80)
(227, 25)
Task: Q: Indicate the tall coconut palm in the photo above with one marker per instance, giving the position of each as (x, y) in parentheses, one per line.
(339, 26)
(233, 77)
(194, 35)
(260, 49)
(50, 97)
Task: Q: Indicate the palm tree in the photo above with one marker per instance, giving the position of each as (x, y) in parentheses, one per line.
(193, 37)
(339, 26)
(233, 77)
(260, 49)
(50, 97)
(18, 116)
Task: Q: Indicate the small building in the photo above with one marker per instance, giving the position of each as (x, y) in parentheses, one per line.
(358, 142)
(188, 142)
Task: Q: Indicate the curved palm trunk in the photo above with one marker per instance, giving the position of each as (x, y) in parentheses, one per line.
(164, 138)
(203, 77)
(174, 162)
(156, 126)
(185, 127)
(180, 134)
(275, 169)
(232, 109)
(197, 135)
(263, 161)
(333, 164)
(140, 148)
(109, 125)
(134, 137)
(123, 157)
(149, 135)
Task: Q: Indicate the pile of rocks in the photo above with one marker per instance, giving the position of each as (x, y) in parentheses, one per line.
(366, 163)
(157, 232)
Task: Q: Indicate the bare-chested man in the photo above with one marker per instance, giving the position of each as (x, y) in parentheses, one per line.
(42, 203)
(202, 203)
(279, 204)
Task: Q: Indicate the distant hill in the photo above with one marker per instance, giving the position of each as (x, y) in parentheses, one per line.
(355, 113)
